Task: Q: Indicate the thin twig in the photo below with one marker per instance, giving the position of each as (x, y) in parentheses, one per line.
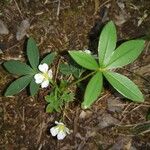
(18, 9)
(104, 3)
(15, 45)
(124, 111)
(141, 105)
(57, 69)
(107, 94)
(137, 75)
(147, 49)
(58, 9)
(133, 125)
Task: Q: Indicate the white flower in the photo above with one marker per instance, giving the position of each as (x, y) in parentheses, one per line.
(60, 130)
(87, 51)
(44, 77)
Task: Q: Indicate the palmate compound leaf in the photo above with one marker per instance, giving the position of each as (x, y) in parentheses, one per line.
(124, 86)
(68, 69)
(126, 53)
(54, 103)
(18, 85)
(48, 59)
(65, 69)
(107, 43)
(33, 53)
(85, 60)
(18, 68)
(67, 96)
(93, 90)
(34, 87)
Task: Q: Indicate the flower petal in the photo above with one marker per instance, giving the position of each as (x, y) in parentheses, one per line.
(61, 135)
(43, 68)
(87, 51)
(67, 130)
(50, 74)
(56, 122)
(38, 78)
(54, 131)
(59, 123)
(45, 83)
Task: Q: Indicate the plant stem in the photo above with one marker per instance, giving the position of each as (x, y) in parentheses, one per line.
(81, 79)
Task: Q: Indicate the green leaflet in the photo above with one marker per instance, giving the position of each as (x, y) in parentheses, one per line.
(93, 90)
(124, 86)
(126, 53)
(18, 68)
(54, 102)
(67, 97)
(85, 60)
(18, 85)
(65, 69)
(68, 69)
(49, 108)
(33, 53)
(34, 87)
(48, 59)
(50, 97)
(107, 43)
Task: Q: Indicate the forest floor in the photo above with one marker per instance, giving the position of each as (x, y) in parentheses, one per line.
(112, 122)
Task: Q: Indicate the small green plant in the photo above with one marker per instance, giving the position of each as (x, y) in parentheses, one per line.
(25, 71)
(38, 73)
(60, 94)
(110, 58)
(82, 66)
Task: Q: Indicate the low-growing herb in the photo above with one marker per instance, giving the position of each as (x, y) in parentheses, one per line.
(83, 65)
(27, 72)
(110, 58)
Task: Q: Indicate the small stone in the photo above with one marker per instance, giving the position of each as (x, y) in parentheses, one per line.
(82, 114)
(122, 143)
(85, 114)
(107, 120)
(3, 28)
(22, 29)
(114, 105)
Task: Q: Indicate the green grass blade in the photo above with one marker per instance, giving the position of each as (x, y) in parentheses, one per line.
(93, 90)
(33, 53)
(107, 43)
(48, 59)
(126, 53)
(84, 60)
(18, 85)
(18, 68)
(124, 86)
(34, 87)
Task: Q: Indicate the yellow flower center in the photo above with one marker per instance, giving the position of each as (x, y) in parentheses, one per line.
(46, 76)
(61, 127)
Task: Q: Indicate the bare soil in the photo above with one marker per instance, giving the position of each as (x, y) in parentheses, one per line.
(75, 24)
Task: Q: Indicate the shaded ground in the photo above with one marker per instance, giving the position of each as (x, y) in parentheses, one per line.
(112, 122)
